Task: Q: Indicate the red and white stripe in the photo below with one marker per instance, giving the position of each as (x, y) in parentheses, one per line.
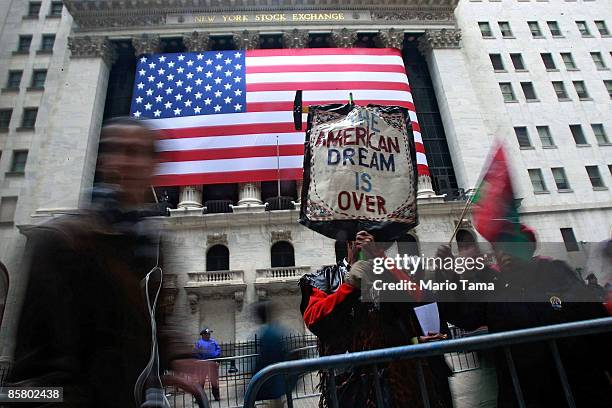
(241, 147)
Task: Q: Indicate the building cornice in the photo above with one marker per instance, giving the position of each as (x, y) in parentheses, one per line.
(118, 14)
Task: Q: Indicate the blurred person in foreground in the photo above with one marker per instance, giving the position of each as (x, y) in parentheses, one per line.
(84, 324)
(530, 292)
(205, 349)
(334, 311)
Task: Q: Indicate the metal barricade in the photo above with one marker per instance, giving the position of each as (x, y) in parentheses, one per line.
(371, 358)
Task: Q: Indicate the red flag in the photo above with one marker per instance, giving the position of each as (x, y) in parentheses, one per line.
(494, 210)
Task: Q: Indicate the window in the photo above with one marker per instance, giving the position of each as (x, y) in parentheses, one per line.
(47, 42)
(517, 61)
(583, 28)
(14, 79)
(38, 78)
(23, 47)
(598, 60)
(56, 9)
(505, 29)
(548, 61)
(5, 118)
(529, 91)
(560, 178)
(555, 31)
(282, 254)
(581, 89)
(537, 181)
(8, 205)
(600, 134)
(568, 60)
(485, 29)
(560, 90)
(602, 28)
(497, 62)
(19, 161)
(29, 118)
(578, 134)
(608, 85)
(33, 9)
(522, 136)
(217, 258)
(571, 245)
(534, 27)
(507, 92)
(595, 177)
(545, 136)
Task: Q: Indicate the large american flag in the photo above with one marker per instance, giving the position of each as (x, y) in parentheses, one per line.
(220, 112)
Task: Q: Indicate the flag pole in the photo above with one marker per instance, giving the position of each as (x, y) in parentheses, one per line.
(278, 183)
(463, 213)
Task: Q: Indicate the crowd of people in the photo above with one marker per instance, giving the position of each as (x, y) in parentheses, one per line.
(86, 326)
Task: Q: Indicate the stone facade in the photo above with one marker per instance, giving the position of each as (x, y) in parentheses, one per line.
(63, 145)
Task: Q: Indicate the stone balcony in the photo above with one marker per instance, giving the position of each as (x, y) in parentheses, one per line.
(279, 281)
(216, 284)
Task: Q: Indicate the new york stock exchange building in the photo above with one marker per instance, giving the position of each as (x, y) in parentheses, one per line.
(520, 71)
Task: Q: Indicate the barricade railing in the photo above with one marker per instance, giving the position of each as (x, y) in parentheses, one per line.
(372, 358)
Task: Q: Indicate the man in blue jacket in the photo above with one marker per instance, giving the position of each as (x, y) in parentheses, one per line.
(205, 349)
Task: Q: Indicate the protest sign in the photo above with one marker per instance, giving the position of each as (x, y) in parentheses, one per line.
(359, 172)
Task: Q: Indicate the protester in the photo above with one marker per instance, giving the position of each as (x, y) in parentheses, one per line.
(585, 358)
(207, 348)
(598, 291)
(84, 325)
(332, 310)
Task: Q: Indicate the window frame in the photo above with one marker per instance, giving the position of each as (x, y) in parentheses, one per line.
(531, 90)
(548, 136)
(501, 29)
(10, 116)
(511, 92)
(564, 179)
(598, 61)
(34, 15)
(569, 240)
(547, 58)
(500, 60)
(487, 25)
(586, 32)
(600, 134)
(540, 175)
(557, 29)
(583, 89)
(3, 200)
(10, 78)
(605, 32)
(26, 112)
(44, 49)
(565, 96)
(538, 30)
(518, 57)
(15, 163)
(597, 176)
(36, 72)
(573, 66)
(524, 137)
(20, 44)
(579, 136)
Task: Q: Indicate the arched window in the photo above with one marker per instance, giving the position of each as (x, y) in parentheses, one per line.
(282, 254)
(408, 245)
(217, 258)
(341, 250)
(4, 285)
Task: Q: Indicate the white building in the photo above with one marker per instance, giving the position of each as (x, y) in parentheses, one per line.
(535, 74)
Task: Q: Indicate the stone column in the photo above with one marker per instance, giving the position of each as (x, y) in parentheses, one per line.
(344, 38)
(190, 197)
(391, 38)
(249, 193)
(146, 44)
(295, 39)
(196, 41)
(246, 40)
(463, 123)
